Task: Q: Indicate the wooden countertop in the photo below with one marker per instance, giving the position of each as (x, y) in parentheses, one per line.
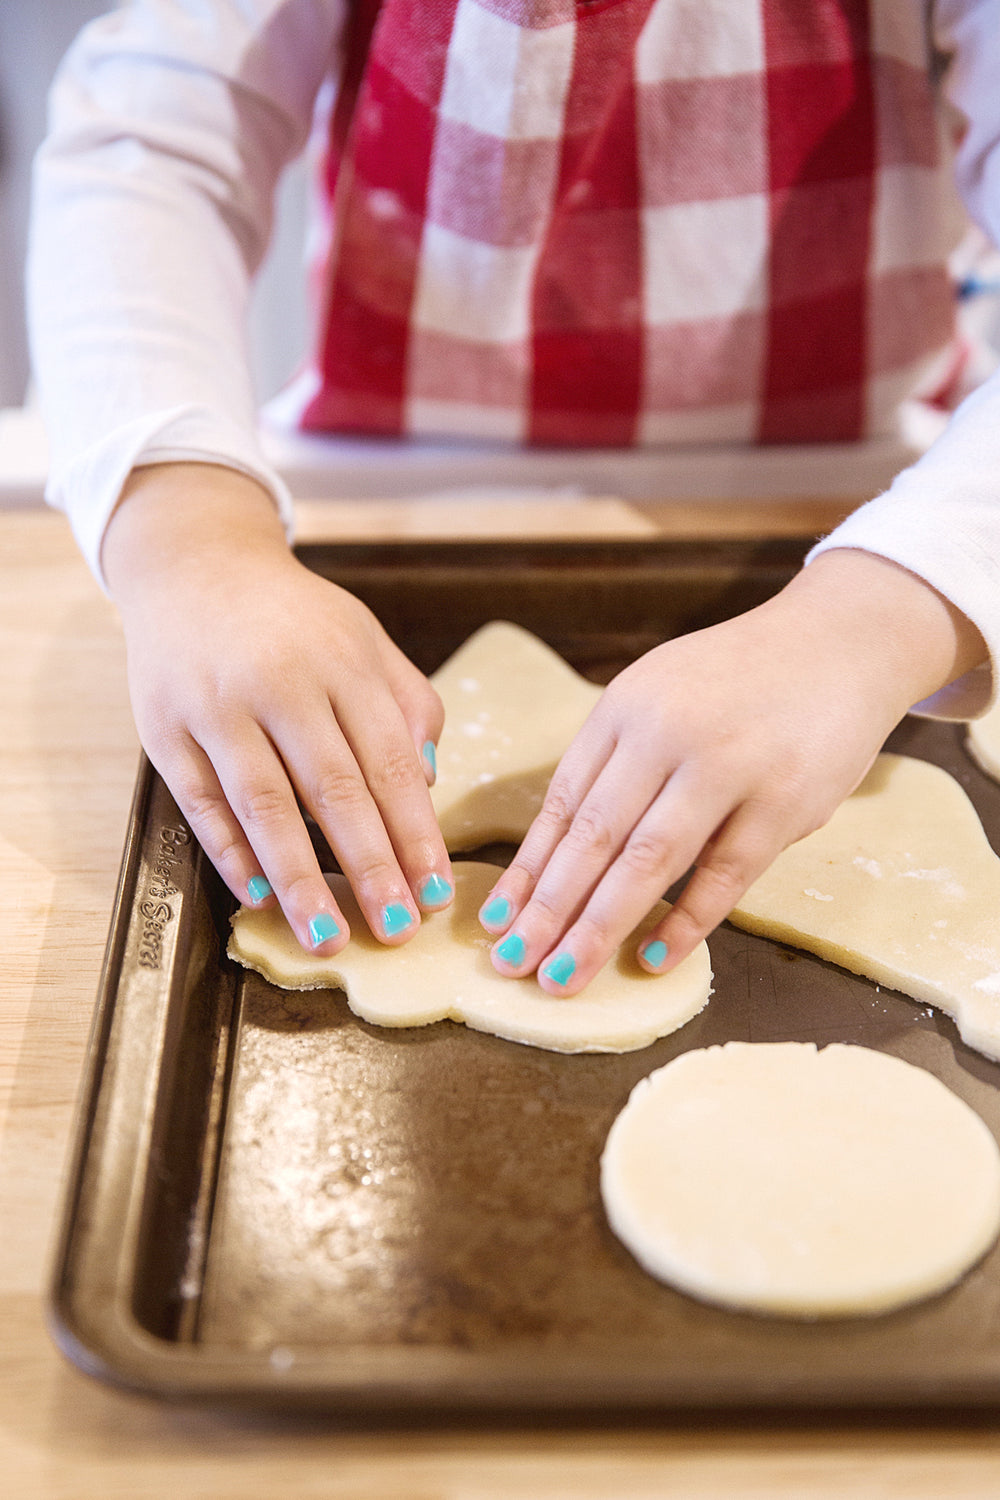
(68, 756)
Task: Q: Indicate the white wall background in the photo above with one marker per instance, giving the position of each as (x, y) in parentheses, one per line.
(34, 34)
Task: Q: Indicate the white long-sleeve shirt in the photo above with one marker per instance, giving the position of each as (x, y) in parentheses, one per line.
(170, 126)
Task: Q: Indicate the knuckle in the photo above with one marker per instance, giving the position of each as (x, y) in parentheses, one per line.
(591, 832)
(161, 733)
(334, 790)
(522, 873)
(546, 904)
(262, 805)
(228, 855)
(557, 811)
(377, 874)
(779, 802)
(204, 807)
(298, 892)
(595, 933)
(687, 928)
(710, 895)
(397, 771)
(725, 867)
(645, 856)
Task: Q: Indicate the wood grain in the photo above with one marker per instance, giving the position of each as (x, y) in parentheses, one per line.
(68, 755)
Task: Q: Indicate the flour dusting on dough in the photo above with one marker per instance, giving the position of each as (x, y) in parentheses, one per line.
(530, 704)
(915, 823)
(942, 877)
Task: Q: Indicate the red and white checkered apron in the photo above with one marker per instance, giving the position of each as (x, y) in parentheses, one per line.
(633, 221)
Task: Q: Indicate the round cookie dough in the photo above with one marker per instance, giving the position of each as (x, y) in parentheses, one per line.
(444, 972)
(776, 1178)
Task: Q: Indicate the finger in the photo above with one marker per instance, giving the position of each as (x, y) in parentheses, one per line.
(251, 802)
(568, 790)
(331, 785)
(420, 705)
(661, 846)
(382, 741)
(617, 802)
(742, 851)
(360, 798)
(199, 795)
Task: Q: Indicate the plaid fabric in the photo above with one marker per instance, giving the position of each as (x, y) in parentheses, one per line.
(634, 221)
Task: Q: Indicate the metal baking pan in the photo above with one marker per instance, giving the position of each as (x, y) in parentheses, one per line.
(272, 1202)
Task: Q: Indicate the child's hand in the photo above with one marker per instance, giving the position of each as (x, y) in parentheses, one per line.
(254, 682)
(718, 750)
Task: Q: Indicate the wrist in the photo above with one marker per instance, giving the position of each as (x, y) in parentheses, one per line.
(894, 623)
(185, 517)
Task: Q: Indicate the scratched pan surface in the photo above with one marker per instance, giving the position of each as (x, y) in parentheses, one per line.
(272, 1202)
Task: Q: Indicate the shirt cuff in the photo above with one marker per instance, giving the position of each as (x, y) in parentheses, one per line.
(951, 558)
(89, 487)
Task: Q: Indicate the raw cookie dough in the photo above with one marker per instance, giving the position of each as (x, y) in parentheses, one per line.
(512, 706)
(983, 741)
(444, 972)
(776, 1178)
(901, 885)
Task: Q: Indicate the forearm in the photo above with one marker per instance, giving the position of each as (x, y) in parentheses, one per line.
(905, 639)
(152, 207)
(177, 521)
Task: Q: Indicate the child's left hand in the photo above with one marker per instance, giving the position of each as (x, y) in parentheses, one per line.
(717, 750)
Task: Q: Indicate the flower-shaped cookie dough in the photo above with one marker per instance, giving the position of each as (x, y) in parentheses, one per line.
(444, 972)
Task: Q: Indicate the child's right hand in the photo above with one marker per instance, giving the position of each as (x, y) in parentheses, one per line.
(254, 682)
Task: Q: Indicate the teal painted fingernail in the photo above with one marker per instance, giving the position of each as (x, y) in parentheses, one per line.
(654, 953)
(511, 950)
(395, 918)
(435, 891)
(561, 968)
(258, 889)
(429, 753)
(322, 928)
(496, 912)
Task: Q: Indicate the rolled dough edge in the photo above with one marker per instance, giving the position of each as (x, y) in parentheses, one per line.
(629, 1229)
(976, 1034)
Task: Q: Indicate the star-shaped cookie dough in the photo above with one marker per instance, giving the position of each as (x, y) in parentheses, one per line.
(512, 706)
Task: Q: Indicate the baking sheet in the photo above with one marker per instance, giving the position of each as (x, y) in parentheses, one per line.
(273, 1202)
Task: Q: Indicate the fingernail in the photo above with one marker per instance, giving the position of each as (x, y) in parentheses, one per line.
(654, 953)
(258, 889)
(511, 950)
(322, 928)
(395, 918)
(429, 754)
(496, 912)
(435, 891)
(561, 968)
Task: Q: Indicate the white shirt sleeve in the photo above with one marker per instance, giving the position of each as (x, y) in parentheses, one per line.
(169, 126)
(940, 518)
